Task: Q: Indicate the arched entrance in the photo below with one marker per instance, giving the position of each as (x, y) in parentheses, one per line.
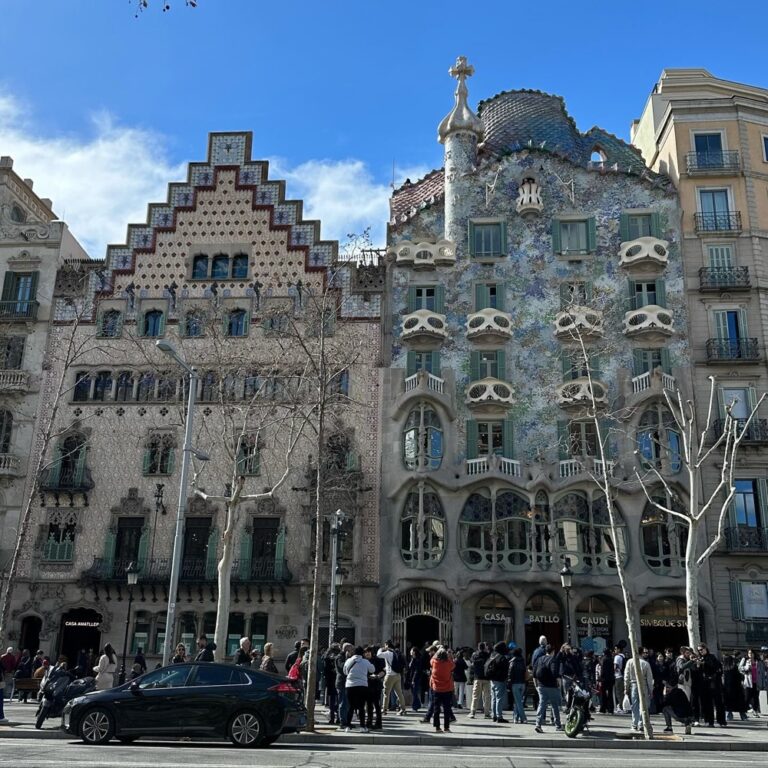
(494, 619)
(543, 616)
(420, 616)
(663, 623)
(80, 631)
(29, 637)
(594, 624)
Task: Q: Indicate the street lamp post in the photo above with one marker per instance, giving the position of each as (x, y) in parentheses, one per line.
(566, 580)
(336, 576)
(132, 574)
(178, 541)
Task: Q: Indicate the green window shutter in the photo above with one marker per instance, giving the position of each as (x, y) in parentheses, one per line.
(472, 434)
(109, 551)
(638, 357)
(589, 291)
(436, 362)
(762, 496)
(656, 224)
(631, 292)
(500, 296)
(353, 462)
(556, 242)
(503, 238)
(624, 227)
(661, 293)
(595, 368)
(80, 466)
(666, 364)
(474, 366)
(100, 324)
(565, 295)
(143, 547)
(736, 601)
(33, 289)
(439, 299)
(246, 553)
(9, 286)
(280, 553)
(567, 363)
(171, 460)
(142, 326)
(210, 560)
(147, 460)
(591, 234)
(562, 440)
(225, 324)
(161, 324)
(471, 238)
(501, 364)
(247, 323)
(410, 363)
(604, 426)
(54, 471)
(481, 296)
(412, 306)
(508, 438)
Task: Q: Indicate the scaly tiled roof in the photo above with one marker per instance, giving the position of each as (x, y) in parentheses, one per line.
(412, 196)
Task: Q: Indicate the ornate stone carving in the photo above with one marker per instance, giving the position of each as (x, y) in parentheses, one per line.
(644, 252)
(489, 391)
(577, 394)
(578, 321)
(424, 255)
(488, 325)
(528, 198)
(423, 323)
(650, 321)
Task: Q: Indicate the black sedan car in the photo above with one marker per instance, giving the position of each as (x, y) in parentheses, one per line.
(250, 707)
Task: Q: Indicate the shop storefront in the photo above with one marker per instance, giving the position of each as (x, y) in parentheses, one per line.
(543, 616)
(663, 624)
(594, 625)
(494, 620)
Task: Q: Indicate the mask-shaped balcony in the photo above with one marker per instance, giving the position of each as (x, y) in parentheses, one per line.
(528, 198)
(489, 395)
(489, 325)
(578, 322)
(424, 324)
(576, 394)
(424, 255)
(644, 254)
(650, 322)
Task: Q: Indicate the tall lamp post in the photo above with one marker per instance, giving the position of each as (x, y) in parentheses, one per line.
(566, 580)
(132, 575)
(181, 509)
(337, 576)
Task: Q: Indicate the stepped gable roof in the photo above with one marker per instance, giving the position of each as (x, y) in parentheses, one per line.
(412, 196)
(521, 119)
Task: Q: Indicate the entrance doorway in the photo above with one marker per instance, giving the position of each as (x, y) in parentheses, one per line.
(30, 634)
(663, 624)
(543, 616)
(80, 630)
(493, 619)
(420, 630)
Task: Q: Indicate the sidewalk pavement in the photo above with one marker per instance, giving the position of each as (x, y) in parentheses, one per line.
(605, 732)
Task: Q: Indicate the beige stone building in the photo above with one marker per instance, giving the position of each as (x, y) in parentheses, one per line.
(34, 245)
(223, 269)
(711, 137)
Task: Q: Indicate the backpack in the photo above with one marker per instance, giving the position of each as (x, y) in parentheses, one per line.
(397, 665)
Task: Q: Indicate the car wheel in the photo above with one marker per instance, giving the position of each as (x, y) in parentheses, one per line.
(127, 739)
(246, 730)
(96, 726)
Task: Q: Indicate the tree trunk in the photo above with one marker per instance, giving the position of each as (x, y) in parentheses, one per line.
(222, 604)
(692, 585)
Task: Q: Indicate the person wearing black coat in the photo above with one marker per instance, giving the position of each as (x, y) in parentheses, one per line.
(329, 677)
(496, 669)
(205, 649)
(734, 699)
(481, 687)
(675, 704)
(516, 683)
(607, 680)
(243, 653)
(711, 692)
(416, 678)
(24, 672)
(375, 687)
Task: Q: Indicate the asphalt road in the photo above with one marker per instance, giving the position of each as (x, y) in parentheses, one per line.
(31, 753)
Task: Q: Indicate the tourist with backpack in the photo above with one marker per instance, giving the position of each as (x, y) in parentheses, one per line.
(481, 688)
(547, 674)
(393, 675)
(496, 669)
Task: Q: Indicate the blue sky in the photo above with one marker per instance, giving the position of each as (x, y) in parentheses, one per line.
(102, 109)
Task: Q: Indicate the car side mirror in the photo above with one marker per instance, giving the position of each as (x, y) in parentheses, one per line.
(134, 688)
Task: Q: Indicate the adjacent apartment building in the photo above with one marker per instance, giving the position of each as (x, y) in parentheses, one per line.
(711, 137)
(533, 235)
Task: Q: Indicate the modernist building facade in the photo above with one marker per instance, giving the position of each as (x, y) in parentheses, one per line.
(711, 137)
(34, 245)
(222, 269)
(532, 236)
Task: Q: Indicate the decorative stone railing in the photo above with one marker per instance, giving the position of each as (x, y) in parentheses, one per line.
(486, 464)
(424, 255)
(432, 383)
(489, 324)
(578, 394)
(424, 323)
(489, 391)
(649, 321)
(14, 381)
(578, 322)
(576, 467)
(646, 380)
(644, 252)
(528, 198)
(9, 465)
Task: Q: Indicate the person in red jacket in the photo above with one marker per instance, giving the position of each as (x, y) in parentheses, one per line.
(441, 683)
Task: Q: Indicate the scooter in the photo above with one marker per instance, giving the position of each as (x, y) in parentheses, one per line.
(578, 714)
(58, 690)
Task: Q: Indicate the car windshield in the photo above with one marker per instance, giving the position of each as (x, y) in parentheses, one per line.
(168, 677)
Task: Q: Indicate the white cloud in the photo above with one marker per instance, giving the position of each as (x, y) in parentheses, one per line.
(101, 183)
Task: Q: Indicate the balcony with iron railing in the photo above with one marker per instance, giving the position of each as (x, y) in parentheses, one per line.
(69, 479)
(743, 538)
(732, 350)
(755, 432)
(261, 570)
(713, 162)
(18, 311)
(724, 279)
(13, 380)
(725, 221)
(10, 465)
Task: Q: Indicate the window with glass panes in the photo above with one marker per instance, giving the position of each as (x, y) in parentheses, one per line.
(489, 296)
(720, 256)
(428, 361)
(490, 438)
(573, 235)
(582, 438)
(648, 360)
(643, 293)
(11, 352)
(746, 504)
(487, 239)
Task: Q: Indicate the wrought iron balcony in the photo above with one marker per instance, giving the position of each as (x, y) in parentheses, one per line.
(743, 538)
(724, 278)
(722, 161)
(114, 570)
(732, 350)
(727, 221)
(18, 311)
(12, 380)
(10, 465)
(71, 480)
(261, 570)
(756, 432)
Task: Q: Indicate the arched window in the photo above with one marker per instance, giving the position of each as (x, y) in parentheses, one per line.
(124, 389)
(583, 532)
(248, 455)
(193, 324)
(6, 428)
(200, 267)
(220, 268)
(82, 391)
(209, 386)
(166, 388)
(240, 266)
(111, 324)
(542, 531)
(513, 531)
(159, 455)
(237, 323)
(598, 156)
(659, 440)
(154, 323)
(422, 528)
(422, 439)
(102, 386)
(71, 462)
(18, 215)
(145, 392)
(663, 537)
